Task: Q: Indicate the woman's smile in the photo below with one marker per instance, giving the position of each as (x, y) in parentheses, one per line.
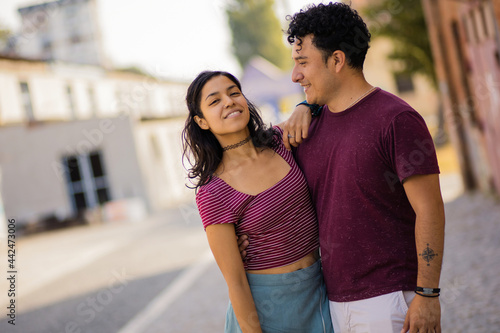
(233, 114)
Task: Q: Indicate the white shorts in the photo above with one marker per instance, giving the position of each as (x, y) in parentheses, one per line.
(381, 314)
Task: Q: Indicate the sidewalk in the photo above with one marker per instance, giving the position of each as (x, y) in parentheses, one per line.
(70, 275)
(471, 266)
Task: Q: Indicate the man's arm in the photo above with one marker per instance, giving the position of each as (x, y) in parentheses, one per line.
(297, 126)
(242, 245)
(424, 194)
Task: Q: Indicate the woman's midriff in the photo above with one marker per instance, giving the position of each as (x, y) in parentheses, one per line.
(304, 262)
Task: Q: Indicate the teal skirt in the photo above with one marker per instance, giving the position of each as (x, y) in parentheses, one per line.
(291, 302)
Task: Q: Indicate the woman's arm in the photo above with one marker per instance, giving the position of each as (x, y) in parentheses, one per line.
(222, 241)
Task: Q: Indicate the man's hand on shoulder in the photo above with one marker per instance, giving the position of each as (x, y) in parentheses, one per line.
(423, 316)
(296, 128)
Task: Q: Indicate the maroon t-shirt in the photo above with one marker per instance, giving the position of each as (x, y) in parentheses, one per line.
(355, 162)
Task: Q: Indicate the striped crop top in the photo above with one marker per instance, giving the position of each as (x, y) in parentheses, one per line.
(280, 222)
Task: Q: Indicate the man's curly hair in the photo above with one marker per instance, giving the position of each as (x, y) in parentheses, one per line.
(335, 26)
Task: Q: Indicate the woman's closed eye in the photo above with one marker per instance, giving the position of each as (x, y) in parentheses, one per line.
(215, 101)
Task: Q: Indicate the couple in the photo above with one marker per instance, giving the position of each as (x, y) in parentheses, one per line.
(362, 186)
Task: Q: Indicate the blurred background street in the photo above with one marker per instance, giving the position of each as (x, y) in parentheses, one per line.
(108, 238)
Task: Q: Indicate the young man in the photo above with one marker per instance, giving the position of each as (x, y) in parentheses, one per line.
(372, 171)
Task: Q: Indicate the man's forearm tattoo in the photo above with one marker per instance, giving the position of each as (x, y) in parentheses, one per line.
(428, 254)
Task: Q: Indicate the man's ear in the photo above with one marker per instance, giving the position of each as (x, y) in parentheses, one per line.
(337, 61)
(201, 122)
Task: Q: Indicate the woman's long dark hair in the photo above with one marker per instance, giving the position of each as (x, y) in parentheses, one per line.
(200, 147)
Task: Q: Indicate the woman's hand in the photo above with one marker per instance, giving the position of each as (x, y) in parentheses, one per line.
(223, 243)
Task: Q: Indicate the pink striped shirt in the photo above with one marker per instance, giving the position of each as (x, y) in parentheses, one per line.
(280, 222)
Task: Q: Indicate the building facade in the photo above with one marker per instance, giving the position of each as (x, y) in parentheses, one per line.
(466, 47)
(63, 30)
(79, 138)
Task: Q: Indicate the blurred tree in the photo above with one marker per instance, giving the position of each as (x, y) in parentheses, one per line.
(404, 23)
(133, 69)
(5, 34)
(257, 31)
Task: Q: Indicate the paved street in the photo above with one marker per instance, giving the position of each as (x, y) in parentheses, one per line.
(158, 276)
(471, 268)
(96, 279)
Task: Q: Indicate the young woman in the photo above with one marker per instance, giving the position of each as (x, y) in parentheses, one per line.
(248, 183)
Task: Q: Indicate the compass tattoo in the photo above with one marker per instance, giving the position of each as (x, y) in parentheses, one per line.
(428, 254)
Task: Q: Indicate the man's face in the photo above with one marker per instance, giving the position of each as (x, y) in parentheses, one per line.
(311, 72)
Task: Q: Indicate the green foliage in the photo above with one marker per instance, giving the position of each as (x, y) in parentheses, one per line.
(257, 31)
(403, 23)
(133, 70)
(5, 33)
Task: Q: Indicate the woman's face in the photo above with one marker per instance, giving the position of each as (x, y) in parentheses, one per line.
(224, 108)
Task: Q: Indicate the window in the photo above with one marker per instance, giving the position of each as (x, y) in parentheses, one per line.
(121, 103)
(71, 12)
(404, 83)
(26, 100)
(75, 182)
(475, 33)
(155, 145)
(75, 39)
(469, 38)
(71, 102)
(100, 181)
(92, 101)
(86, 180)
(47, 48)
(489, 19)
(479, 24)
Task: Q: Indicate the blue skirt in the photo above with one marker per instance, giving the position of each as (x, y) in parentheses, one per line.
(291, 302)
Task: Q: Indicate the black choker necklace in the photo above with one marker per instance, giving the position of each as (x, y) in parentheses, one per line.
(236, 145)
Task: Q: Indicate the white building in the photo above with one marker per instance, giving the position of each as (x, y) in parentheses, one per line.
(63, 30)
(76, 137)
